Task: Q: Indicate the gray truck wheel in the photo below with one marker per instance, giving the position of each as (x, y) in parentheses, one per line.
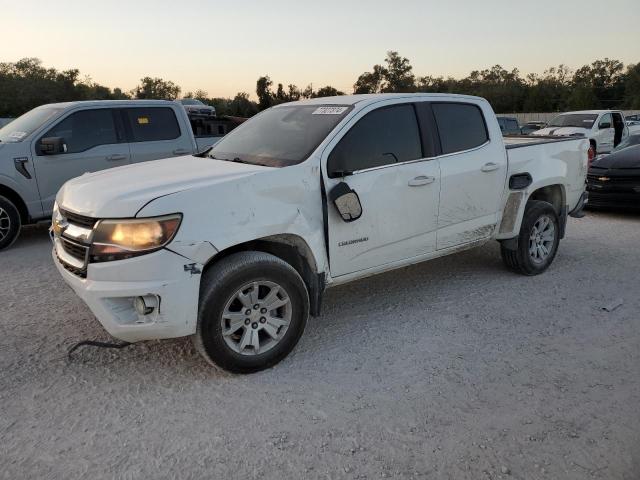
(537, 242)
(253, 310)
(9, 223)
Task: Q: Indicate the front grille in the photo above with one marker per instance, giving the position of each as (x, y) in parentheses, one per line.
(76, 250)
(78, 219)
(80, 272)
(625, 183)
(76, 230)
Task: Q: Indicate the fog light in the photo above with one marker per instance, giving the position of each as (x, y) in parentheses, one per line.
(145, 305)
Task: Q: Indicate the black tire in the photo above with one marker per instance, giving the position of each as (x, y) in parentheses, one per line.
(220, 284)
(10, 223)
(520, 260)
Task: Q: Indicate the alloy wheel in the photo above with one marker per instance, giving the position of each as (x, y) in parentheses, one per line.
(541, 239)
(256, 317)
(5, 223)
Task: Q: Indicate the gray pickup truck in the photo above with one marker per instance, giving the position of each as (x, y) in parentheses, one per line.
(51, 144)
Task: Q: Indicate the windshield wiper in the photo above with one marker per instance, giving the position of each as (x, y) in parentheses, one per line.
(235, 159)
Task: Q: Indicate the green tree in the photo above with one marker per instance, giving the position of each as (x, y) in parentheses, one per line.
(632, 87)
(327, 91)
(370, 82)
(263, 91)
(156, 88)
(398, 75)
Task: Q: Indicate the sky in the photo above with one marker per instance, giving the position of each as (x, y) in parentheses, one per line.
(223, 47)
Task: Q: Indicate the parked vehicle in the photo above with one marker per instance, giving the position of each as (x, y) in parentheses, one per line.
(509, 125)
(614, 180)
(198, 108)
(530, 127)
(53, 143)
(235, 247)
(633, 139)
(605, 129)
(633, 118)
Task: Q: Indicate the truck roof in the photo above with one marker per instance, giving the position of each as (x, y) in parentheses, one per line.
(97, 103)
(368, 98)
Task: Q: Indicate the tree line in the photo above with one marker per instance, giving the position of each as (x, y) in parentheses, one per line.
(605, 83)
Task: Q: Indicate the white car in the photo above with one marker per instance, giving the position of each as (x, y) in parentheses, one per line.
(605, 129)
(197, 108)
(236, 246)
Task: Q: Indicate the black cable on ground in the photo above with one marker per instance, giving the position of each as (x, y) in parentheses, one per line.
(94, 343)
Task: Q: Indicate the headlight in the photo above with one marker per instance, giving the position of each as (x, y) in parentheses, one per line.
(56, 220)
(120, 239)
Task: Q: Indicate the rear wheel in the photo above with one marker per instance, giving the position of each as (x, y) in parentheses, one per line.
(9, 223)
(537, 242)
(253, 310)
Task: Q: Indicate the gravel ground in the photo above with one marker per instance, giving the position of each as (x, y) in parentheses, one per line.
(454, 368)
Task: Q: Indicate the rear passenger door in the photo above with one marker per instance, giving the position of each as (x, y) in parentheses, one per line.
(154, 133)
(473, 173)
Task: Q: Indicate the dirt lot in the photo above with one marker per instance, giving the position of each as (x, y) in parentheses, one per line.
(449, 369)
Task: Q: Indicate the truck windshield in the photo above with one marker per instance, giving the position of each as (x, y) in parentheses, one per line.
(280, 136)
(581, 120)
(22, 127)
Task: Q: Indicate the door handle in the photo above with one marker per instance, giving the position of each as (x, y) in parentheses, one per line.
(117, 156)
(181, 151)
(490, 167)
(421, 180)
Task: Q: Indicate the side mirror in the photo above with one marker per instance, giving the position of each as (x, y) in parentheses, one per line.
(604, 125)
(346, 202)
(52, 146)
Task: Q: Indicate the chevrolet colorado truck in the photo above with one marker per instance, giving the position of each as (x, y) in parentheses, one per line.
(51, 144)
(236, 246)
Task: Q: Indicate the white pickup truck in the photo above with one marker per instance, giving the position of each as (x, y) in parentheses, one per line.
(235, 247)
(605, 129)
(51, 144)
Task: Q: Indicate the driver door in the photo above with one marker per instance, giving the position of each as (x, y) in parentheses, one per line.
(606, 134)
(93, 141)
(382, 160)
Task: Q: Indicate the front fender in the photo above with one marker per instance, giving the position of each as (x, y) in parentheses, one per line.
(271, 203)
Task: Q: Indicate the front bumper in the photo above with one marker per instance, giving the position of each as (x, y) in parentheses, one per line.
(110, 289)
(616, 193)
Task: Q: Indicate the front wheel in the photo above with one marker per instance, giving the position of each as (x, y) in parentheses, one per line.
(9, 223)
(253, 310)
(537, 242)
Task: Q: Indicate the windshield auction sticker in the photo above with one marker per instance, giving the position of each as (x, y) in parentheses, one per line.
(330, 110)
(17, 135)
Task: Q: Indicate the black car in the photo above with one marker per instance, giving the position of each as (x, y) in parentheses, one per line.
(614, 179)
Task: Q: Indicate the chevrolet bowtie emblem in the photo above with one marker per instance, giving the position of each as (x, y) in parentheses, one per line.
(604, 179)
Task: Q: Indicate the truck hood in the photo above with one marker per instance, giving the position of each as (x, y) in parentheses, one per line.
(562, 131)
(121, 192)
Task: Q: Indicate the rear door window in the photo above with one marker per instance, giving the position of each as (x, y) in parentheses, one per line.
(152, 124)
(86, 129)
(382, 137)
(461, 126)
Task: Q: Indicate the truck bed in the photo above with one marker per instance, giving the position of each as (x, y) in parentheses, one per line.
(517, 141)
